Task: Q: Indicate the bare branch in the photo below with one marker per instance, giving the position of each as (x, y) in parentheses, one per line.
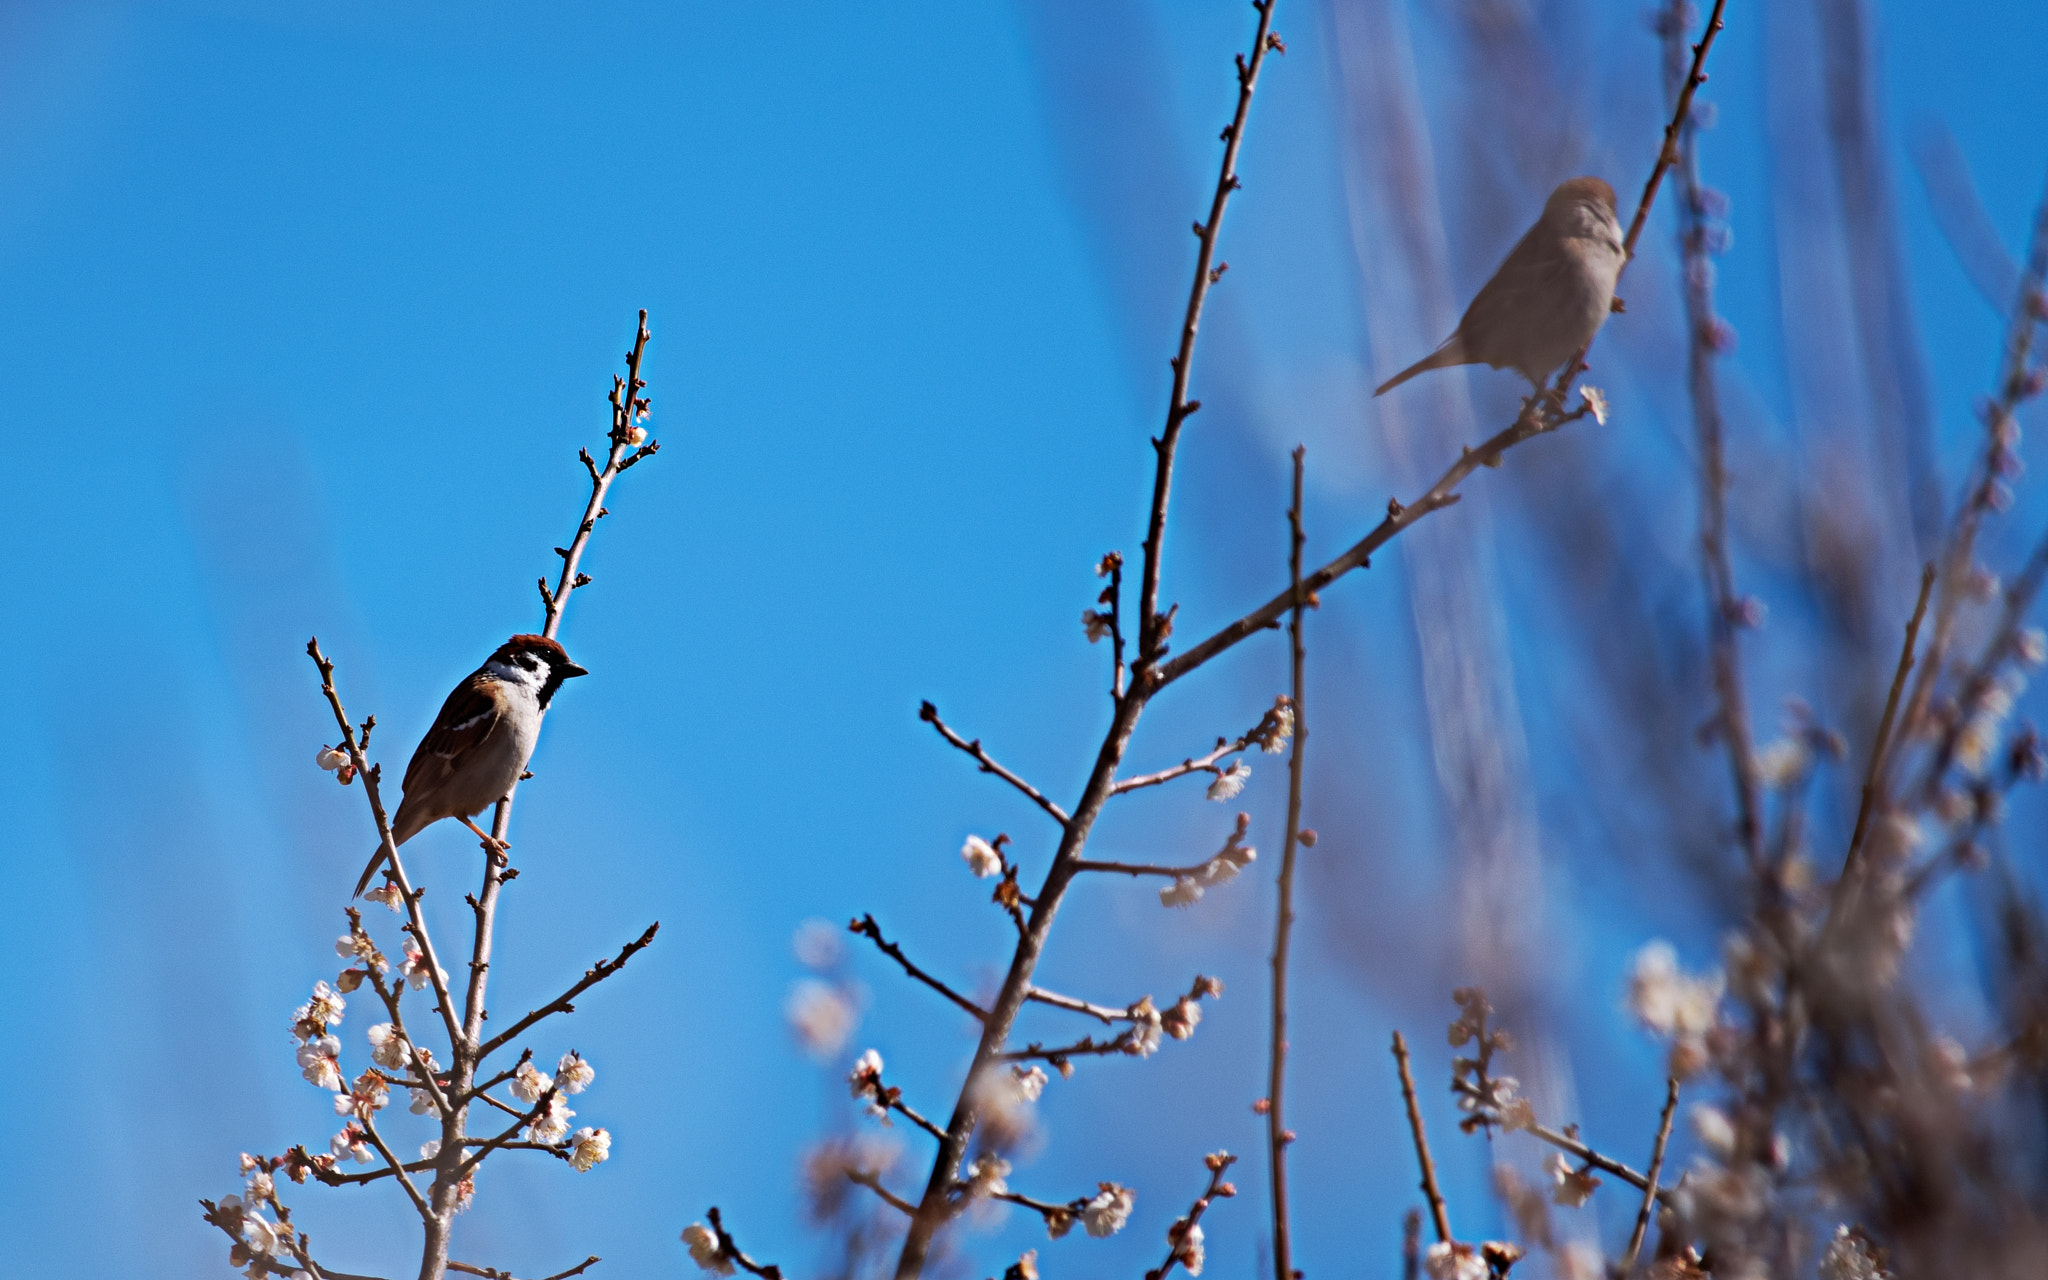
(1176, 1235)
(561, 1004)
(1278, 1135)
(492, 1273)
(1635, 1239)
(873, 1182)
(1437, 1210)
(930, 715)
(867, 928)
(1874, 776)
(729, 1250)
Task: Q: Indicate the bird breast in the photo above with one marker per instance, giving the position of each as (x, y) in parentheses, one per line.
(501, 757)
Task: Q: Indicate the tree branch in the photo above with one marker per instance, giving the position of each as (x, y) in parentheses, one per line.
(867, 928)
(930, 715)
(561, 1004)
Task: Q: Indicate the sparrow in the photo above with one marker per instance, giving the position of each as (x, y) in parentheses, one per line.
(481, 741)
(1548, 298)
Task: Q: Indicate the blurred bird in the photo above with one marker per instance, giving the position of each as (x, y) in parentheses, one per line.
(480, 742)
(1548, 299)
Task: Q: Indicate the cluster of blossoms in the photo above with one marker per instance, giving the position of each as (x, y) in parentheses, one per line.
(319, 1052)
(1456, 1260)
(1221, 868)
(1683, 1008)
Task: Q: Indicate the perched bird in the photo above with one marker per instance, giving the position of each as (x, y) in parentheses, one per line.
(480, 742)
(1548, 299)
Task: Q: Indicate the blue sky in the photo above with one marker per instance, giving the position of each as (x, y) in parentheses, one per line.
(307, 310)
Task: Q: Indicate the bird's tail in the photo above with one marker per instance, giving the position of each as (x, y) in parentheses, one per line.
(1452, 352)
(376, 860)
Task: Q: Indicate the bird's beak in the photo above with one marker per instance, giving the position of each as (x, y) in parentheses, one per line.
(568, 669)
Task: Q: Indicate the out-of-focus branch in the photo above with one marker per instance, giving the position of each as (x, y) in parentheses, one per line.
(1983, 491)
(1725, 607)
(930, 715)
(561, 1004)
(1874, 777)
(1278, 1135)
(873, 1182)
(867, 928)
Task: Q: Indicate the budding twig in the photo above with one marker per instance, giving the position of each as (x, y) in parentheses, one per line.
(1635, 1239)
(867, 928)
(1278, 1136)
(930, 715)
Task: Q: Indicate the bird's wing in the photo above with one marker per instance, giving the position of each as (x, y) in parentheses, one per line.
(1529, 277)
(469, 717)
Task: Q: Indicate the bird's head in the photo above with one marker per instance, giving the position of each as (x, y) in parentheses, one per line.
(537, 662)
(1581, 203)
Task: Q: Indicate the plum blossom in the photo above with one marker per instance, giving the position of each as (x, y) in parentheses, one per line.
(822, 1017)
(552, 1125)
(981, 858)
(705, 1250)
(1453, 1260)
(1106, 1214)
(1230, 781)
(573, 1074)
(388, 1047)
(320, 1061)
(415, 970)
(1186, 1239)
(530, 1082)
(589, 1148)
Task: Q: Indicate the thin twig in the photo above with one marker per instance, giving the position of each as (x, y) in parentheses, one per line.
(930, 715)
(1440, 1214)
(1874, 776)
(867, 928)
(1202, 764)
(370, 776)
(492, 1273)
(1635, 1239)
(1100, 1012)
(1980, 495)
(397, 1167)
(1278, 1136)
(1724, 605)
(732, 1251)
(1176, 1236)
(873, 1182)
(561, 1004)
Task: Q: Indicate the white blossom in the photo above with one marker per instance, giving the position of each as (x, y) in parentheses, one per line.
(573, 1074)
(330, 758)
(821, 1016)
(313, 1017)
(1848, 1257)
(1451, 1260)
(1106, 1214)
(1781, 763)
(1669, 1001)
(552, 1124)
(415, 970)
(261, 1187)
(422, 1102)
(387, 893)
(530, 1082)
(704, 1250)
(1716, 1132)
(1231, 781)
(866, 1074)
(589, 1148)
(1569, 1187)
(319, 1060)
(981, 857)
(1596, 403)
(430, 1148)
(1283, 729)
(1185, 891)
(2031, 646)
(387, 1047)
(986, 1176)
(1186, 1239)
(1030, 1081)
